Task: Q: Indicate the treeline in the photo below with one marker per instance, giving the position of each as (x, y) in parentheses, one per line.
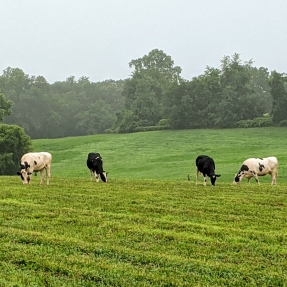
(236, 94)
(69, 108)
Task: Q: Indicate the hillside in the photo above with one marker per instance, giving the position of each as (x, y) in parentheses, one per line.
(167, 155)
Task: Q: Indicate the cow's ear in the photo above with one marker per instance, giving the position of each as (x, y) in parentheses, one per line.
(218, 175)
(18, 172)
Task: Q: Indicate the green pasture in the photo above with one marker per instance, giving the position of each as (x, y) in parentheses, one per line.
(167, 155)
(148, 226)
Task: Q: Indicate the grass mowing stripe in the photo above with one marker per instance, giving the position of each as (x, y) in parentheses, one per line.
(151, 227)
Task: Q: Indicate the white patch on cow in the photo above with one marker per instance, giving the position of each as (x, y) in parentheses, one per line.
(105, 174)
(255, 167)
(34, 162)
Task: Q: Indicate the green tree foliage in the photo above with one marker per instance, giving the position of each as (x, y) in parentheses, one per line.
(236, 99)
(14, 142)
(259, 85)
(220, 97)
(5, 107)
(279, 96)
(127, 122)
(69, 108)
(179, 102)
(143, 92)
(227, 96)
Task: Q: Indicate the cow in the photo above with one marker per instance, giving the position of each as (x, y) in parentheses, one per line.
(254, 167)
(34, 162)
(95, 165)
(206, 166)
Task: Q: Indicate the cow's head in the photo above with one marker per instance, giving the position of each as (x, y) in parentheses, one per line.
(238, 177)
(213, 178)
(104, 176)
(24, 173)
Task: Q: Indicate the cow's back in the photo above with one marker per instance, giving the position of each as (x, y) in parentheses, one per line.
(205, 163)
(200, 162)
(270, 164)
(94, 160)
(273, 161)
(36, 160)
(28, 157)
(46, 157)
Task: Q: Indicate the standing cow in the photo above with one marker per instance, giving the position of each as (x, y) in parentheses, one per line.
(95, 165)
(206, 166)
(34, 162)
(254, 167)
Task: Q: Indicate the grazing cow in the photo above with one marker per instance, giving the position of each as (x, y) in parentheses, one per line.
(34, 162)
(95, 165)
(206, 166)
(254, 167)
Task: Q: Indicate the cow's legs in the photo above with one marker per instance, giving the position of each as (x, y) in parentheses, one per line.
(97, 177)
(48, 174)
(204, 179)
(256, 178)
(274, 177)
(197, 172)
(92, 175)
(42, 174)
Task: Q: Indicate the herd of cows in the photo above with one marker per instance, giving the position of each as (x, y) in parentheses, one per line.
(252, 167)
(42, 161)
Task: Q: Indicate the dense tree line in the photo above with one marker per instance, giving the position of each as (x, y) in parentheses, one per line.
(69, 108)
(154, 97)
(223, 97)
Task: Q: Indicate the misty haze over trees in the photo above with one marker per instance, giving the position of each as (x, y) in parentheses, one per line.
(236, 94)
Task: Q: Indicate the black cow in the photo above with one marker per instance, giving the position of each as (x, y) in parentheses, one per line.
(206, 166)
(95, 165)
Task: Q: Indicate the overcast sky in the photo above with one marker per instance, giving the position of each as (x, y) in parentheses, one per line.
(98, 38)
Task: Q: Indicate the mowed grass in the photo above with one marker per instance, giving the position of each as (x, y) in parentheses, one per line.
(148, 226)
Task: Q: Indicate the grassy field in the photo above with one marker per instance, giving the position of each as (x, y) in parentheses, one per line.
(167, 155)
(148, 226)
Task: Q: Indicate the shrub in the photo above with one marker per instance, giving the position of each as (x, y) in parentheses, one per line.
(283, 123)
(14, 142)
(256, 122)
(163, 123)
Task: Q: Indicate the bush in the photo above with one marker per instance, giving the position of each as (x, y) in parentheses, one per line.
(152, 128)
(14, 142)
(257, 122)
(163, 123)
(283, 123)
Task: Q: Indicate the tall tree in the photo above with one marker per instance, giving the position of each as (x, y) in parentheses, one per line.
(239, 100)
(279, 96)
(259, 84)
(5, 107)
(143, 93)
(14, 142)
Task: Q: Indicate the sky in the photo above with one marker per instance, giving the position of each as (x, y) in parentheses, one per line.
(97, 39)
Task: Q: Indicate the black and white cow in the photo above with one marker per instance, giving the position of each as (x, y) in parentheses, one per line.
(34, 162)
(206, 166)
(254, 167)
(95, 165)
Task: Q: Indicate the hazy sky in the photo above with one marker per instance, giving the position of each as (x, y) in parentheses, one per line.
(98, 38)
